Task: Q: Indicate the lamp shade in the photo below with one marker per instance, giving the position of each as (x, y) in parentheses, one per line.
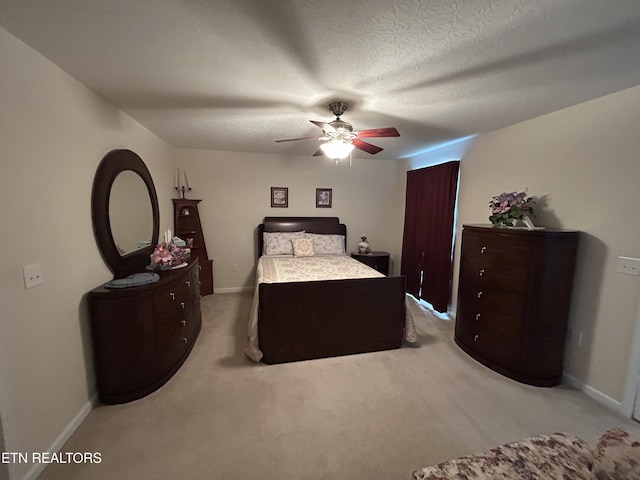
(336, 150)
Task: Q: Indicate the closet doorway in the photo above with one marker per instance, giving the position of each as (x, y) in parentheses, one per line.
(427, 241)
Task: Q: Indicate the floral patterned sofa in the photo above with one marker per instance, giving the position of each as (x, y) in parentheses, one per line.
(559, 456)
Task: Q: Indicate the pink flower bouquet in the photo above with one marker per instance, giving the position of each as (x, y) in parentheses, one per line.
(164, 257)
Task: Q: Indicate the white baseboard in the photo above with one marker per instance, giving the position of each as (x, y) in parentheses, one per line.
(59, 442)
(233, 290)
(593, 393)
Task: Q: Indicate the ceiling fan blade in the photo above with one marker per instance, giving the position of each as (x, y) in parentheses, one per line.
(323, 125)
(318, 153)
(366, 147)
(378, 132)
(294, 139)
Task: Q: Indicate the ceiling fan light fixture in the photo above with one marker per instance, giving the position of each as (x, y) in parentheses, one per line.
(337, 150)
(338, 138)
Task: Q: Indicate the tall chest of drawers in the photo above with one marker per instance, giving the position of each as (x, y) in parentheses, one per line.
(514, 296)
(142, 335)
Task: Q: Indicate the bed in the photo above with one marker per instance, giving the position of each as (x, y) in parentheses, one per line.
(297, 315)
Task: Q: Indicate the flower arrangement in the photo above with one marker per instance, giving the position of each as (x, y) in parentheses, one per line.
(507, 207)
(167, 254)
(165, 257)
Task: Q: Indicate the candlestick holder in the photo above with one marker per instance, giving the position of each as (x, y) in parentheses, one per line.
(182, 190)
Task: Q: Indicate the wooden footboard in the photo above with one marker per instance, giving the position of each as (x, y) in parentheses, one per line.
(307, 320)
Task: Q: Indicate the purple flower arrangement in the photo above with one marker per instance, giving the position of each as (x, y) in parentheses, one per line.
(166, 257)
(507, 207)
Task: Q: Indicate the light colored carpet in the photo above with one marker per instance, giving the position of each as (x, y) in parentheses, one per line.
(373, 416)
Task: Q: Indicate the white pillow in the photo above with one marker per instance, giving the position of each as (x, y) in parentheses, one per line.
(327, 244)
(303, 247)
(279, 243)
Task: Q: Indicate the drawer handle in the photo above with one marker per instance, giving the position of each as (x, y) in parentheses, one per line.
(184, 339)
(475, 339)
(481, 271)
(479, 294)
(483, 249)
(184, 323)
(477, 316)
(188, 283)
(182, 304)
(173, 295)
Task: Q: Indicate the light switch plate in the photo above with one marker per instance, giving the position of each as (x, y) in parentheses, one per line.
(33, 275)
(628, 265)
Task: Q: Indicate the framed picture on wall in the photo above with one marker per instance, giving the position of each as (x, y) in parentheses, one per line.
(280, 197)
(324, 197)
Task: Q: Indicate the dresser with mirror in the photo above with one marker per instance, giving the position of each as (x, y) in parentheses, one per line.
(141, 334)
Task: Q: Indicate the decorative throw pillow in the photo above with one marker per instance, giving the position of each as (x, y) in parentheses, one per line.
(302, 247)
(327, 244)
(617, 456)
(279, 243)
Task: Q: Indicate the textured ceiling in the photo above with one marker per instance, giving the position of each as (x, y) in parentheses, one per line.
(239, 74)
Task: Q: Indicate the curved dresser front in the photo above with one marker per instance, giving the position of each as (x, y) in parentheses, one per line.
(142, 335)
(514, 297)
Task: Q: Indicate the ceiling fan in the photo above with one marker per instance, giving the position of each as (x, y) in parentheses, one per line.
(339, 139)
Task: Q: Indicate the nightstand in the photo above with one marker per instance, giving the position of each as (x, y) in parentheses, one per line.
(376, 260)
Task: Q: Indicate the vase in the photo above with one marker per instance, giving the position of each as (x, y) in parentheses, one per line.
(527, 221)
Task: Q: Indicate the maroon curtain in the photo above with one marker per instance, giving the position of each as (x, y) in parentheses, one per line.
(428, 233)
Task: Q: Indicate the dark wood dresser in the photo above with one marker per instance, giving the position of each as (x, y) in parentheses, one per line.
(142, 335)
(514, 296)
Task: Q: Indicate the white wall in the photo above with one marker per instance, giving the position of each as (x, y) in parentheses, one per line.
(584, 163)
(54, 133)
(235, 191)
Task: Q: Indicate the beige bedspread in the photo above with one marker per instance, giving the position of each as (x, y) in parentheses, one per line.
(275, 269)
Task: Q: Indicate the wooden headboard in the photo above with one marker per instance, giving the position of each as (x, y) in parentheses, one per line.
(295, 224)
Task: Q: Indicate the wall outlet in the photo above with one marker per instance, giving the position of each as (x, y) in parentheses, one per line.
(33, 275)
(629, 266)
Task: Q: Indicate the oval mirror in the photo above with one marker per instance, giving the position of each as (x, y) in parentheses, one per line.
(130, 213)
(125, 212)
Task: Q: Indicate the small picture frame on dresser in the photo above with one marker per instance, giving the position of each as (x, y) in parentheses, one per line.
(280, 197)
(324, 197)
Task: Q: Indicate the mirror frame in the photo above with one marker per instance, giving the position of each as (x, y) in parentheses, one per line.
(112, 164)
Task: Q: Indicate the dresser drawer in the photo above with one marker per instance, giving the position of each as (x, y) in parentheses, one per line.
(496, 299)
(170, 297)
(496, 251)
(473, 313)
(499, 337)
(512, 276)
(172, 344)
